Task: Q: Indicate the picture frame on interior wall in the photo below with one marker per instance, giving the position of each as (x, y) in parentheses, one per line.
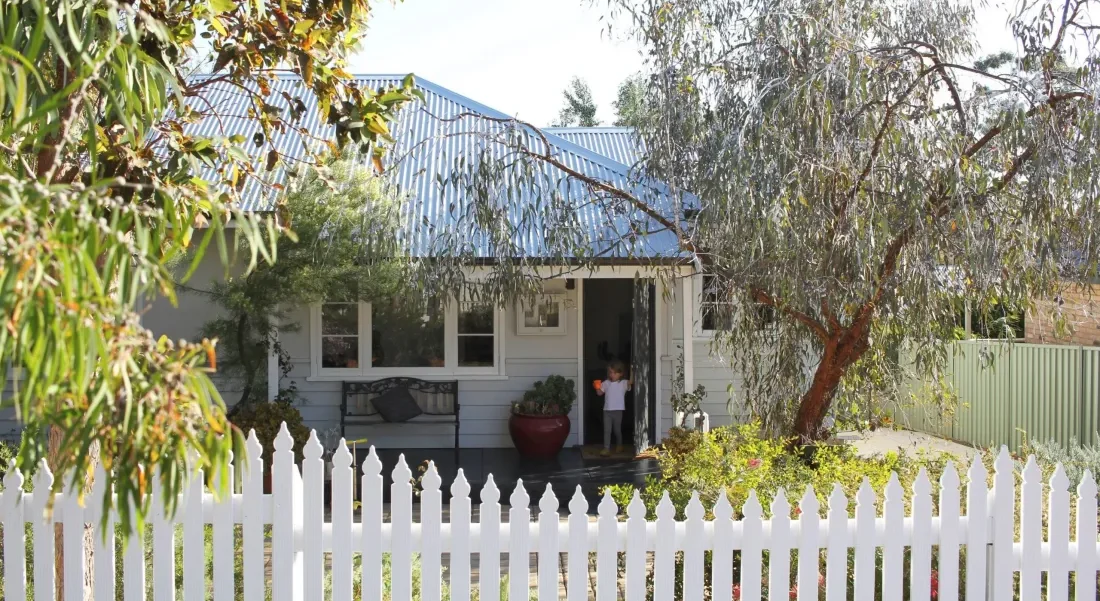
(542, 316)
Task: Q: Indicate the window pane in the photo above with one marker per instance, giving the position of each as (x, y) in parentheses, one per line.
(401, 338)
(717, 317)
(475, 319)
(475, 351)
(340, 351)
(544, 314)
(340, 319)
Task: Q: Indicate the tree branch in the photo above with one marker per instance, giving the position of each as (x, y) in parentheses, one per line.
(805, 319)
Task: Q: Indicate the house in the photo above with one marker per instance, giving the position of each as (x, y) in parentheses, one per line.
(585, 317)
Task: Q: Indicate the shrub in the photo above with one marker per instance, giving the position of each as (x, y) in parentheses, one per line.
(266, 418)
(739, 460)
(554, 396)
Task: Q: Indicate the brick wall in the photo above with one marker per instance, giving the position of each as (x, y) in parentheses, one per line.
(1081, 308)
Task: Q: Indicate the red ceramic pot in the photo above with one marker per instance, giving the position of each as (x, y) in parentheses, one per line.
(538, 436)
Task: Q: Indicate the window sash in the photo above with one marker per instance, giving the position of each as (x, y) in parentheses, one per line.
(451, 339)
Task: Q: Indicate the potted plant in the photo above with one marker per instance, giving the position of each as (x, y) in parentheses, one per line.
(266, 418)
(539, 423)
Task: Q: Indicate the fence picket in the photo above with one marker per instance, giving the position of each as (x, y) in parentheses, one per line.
(721, 565)
(664, 577)
(1058, 536)
(836, 561)
(224, 565)
(1085, 587)
(401, 532)
(194, 548)
(548, 545)
(460, 538)
(15, 542)
(1003, 534)
(606, 549)
(779, 556)
(751, 557)
(976, 531)
(578, 548)
(313, 510)
(635, 549)
(342, 476)
(893, 514)
(693, 549)
(1031, 531)
(948, 564)
(809, 566)
(920, 557)
(164, 548)
(103, 538)
(252, 530)
(44, 583)
(431, 518)
(519, 544)
(72, 518)
(371, 516)
(489, 557)
(865, 542)
(282, 529)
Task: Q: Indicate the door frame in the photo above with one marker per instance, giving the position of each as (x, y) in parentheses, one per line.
(660, 331)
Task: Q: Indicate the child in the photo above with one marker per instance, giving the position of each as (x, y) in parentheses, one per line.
(613, 389)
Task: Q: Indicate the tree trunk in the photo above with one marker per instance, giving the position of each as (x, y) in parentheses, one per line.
(52, 450)
(842, 350)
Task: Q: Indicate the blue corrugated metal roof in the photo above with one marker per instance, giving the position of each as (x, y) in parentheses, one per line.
(433, 137)
(620, 144)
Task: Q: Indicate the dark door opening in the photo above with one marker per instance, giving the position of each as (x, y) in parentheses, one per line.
(609, 334)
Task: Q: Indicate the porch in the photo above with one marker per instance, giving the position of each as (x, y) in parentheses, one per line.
(571, 468)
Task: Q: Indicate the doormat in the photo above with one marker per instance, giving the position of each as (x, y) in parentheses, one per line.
(592, 451)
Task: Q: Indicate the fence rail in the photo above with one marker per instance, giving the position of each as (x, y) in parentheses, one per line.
(1009, 391)
(631, 556)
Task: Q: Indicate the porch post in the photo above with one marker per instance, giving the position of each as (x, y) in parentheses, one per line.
(581, 384)
(273, 368)
(687, 300)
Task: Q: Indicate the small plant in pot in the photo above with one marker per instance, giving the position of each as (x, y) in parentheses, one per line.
(539, 423)
(266, 418)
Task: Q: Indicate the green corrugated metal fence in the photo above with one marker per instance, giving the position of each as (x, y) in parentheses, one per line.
(1046, 392)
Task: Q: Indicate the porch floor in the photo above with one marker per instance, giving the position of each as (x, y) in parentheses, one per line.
(564, 473)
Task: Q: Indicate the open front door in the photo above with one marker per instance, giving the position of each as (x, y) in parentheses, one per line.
(642, 369)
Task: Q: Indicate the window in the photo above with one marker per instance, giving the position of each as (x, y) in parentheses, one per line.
(445, 340)
(476, 339)
(715, 309)
(403, 338)
(718, 312)
(340, 336)
(544, 315)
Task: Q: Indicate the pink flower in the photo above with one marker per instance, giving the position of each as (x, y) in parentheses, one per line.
(820, 579)
(794, 592)
(737, 592)
(754, 463)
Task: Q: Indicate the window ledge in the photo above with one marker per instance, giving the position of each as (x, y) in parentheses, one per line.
(427, 378)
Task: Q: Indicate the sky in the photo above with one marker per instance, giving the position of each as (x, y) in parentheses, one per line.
(518, 55)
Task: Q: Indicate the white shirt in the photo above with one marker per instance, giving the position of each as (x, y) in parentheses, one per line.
(614, 394)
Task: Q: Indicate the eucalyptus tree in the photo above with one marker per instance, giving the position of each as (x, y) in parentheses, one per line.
(580, 108)
(101, 189)
(853, 168)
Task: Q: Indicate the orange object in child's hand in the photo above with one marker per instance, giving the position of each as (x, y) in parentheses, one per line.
(596, 384)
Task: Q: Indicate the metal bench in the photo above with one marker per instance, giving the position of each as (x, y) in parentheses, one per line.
(437, 400)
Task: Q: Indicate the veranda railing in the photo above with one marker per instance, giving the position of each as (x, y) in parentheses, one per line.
(301, 538)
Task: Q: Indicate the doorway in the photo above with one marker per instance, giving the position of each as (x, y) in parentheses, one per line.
(611, 332)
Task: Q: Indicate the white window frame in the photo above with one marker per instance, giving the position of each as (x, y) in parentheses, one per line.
(450, 370)
(522, 329)
(699, 332)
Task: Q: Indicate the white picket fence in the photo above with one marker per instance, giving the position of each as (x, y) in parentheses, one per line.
(301, 538)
